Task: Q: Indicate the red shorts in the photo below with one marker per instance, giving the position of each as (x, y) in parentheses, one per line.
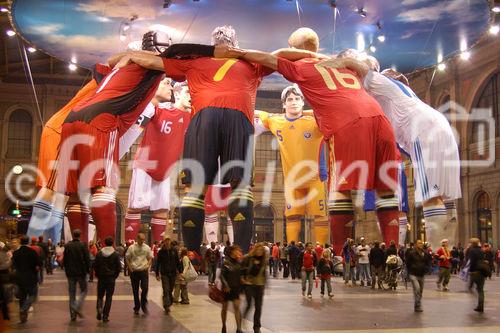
(216, 199)
(87, 159)
(363, 156)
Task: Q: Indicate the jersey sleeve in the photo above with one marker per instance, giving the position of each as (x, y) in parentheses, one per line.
(264, 119)
(131, 135)
(176, 68)
(289, 70)
(262, 70)
(259, 127)
(381, 85)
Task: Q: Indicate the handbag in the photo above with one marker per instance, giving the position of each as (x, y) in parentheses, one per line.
(484, 267)
(215, 294)
(464, 272)
(190, 274)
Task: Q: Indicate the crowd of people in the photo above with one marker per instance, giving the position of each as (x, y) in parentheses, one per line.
(23, 262)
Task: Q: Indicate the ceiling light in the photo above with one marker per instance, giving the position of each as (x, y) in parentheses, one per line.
(123, 38)
(441, 66)
(496, 9)
(361, 42)
(494, 29)
(465, 55)
(373, 49)
(10, 33)
(381, 38)
(72, 67)
(4, 10)
(361, 11)
(31, 49)
(126, 26)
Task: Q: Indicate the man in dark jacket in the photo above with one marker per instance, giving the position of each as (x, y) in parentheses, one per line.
(293, 254)
(107, 268)
(418, 263)
(26, 264)
(212, 258)
(377, 260)
(167, 266)
(477, 277)
(76, 263)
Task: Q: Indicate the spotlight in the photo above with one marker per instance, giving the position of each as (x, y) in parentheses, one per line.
(441, 66)
(31, 49)
(167, 3)
(494, 29)
(373, 49)
(123, 38)
(10, 33)
(72, 67)
(465, 55)
(361, 11)
(126, 26)
(496, 9)
(4, 10)
(381, 38)
(333, 3)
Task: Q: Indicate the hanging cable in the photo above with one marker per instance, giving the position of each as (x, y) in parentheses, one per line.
(190, 24)
(29, 76)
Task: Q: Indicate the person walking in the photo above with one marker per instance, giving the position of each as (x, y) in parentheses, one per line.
(377, 260)
(181, 283)
(308, 263)
(284, 260)
(275, 253)
(418, 262)
(254, 280)
(476, 271)
(231, 279)
(212, 258)
(92, 254)
(363, 251)
(444, 257)
(5, 266)
(76, 263)
(26, 263)
(293, 254)
(325, 271)
(167, 268)
(107, 267)
(139, 258)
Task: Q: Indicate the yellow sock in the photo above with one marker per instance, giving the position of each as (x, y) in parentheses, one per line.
(292, 231)
(321, 231)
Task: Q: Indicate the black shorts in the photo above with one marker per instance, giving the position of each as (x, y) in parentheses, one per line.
(215, 133)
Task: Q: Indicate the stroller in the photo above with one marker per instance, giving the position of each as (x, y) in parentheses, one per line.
(394, 265)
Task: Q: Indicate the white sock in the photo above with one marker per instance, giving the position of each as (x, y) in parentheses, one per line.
(435, 222)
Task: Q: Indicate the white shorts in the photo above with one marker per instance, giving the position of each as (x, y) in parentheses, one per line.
(145, 192)
(436, 166)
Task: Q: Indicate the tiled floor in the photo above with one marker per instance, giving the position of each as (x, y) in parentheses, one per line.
(285, 310)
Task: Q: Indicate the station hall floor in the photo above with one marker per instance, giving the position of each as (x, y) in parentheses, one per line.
(352, 309)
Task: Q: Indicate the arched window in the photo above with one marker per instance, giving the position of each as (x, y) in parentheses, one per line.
(489, 98)
(263, 223)
(19, 135)
(484, 223)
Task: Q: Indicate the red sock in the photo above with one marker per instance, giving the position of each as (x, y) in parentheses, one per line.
(78, 218)
(132, 225)
(157, 229)
(341, 217)
(104, 214)
(388, 218)
(341, 229)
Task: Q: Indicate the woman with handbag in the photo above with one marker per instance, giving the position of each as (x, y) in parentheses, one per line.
(181, 281)
(231, 279)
